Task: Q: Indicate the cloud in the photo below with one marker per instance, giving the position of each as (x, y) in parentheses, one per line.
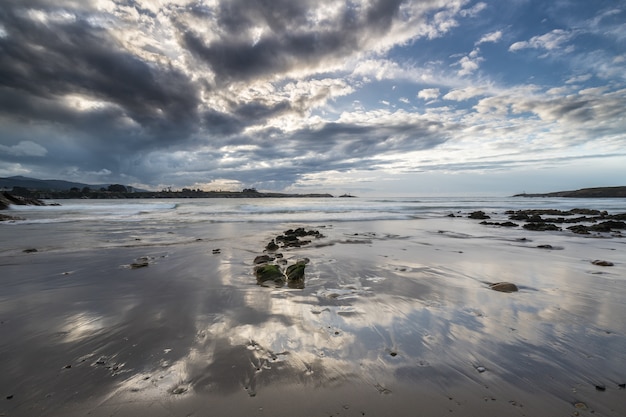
(24, 148)
(463, 94)
(302, 37)
(490, 37)
(268, 93)
(428, 94)
(470, 63)
(550, 41)
(579, 79)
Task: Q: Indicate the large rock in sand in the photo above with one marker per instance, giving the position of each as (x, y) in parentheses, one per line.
(296, 271)
(504, 287)
(268, 272)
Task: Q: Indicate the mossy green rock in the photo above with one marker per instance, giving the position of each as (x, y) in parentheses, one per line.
(296, 271)
(268, 273)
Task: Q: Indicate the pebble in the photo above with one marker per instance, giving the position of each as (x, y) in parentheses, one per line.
(481, 369)
(179, 390)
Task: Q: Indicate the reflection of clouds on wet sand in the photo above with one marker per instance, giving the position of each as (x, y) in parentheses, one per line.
(404, 310)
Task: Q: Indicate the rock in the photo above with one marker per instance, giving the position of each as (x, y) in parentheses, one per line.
(179, 390)
(579, 229)
(291, 238)
(504, 287)
(268, 272)
(272, 246)
(7, 199)
(137, 265)
(541, 226)
(296, 271)
(5, 217)
(545, 246)
(216, 251)
(30, 250)
(504, 224)
(607, 226)
(599, 262)
(518, 216)
(263, 259)
(480, 215)
(481, 369)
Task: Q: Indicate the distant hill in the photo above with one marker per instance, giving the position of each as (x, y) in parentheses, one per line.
(45, 185)
(598, 192)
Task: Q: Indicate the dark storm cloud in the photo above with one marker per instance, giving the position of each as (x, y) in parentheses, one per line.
(334, 146)
(291, 43)
(53, 59)
(145, 110)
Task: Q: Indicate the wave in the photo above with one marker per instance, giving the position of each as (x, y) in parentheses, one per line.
(292, 210)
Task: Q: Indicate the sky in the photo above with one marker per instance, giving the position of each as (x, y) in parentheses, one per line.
(368, 97)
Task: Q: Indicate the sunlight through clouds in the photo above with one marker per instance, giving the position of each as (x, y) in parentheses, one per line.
(155, 91)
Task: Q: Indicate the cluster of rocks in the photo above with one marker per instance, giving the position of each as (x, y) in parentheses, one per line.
(272, 267)
(537, 220)
(292, 239)
(7, 199)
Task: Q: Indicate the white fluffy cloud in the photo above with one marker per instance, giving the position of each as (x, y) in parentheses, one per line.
(490, 37)
(428, 94)
(549, 41)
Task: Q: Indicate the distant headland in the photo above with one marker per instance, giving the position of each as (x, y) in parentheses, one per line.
(598, 192)
(32, 188)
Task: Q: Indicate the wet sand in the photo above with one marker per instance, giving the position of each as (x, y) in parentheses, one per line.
(396, 318)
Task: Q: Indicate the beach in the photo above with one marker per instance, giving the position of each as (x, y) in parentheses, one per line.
(153, 308)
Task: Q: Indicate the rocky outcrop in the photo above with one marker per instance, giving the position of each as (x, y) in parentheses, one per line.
(598, 192)
(6, 218)
(272, 267)
(7, 199)
(503, 224)
(584, 221)
(479, 215)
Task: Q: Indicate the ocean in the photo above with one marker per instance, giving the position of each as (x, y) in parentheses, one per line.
(286, 210)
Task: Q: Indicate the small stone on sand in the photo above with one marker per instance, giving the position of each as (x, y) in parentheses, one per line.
(504, 287)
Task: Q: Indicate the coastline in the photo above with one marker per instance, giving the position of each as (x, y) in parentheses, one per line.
(596, 192)
(395, 316)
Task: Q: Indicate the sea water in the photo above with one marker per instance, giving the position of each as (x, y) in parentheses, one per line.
(289, 210)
